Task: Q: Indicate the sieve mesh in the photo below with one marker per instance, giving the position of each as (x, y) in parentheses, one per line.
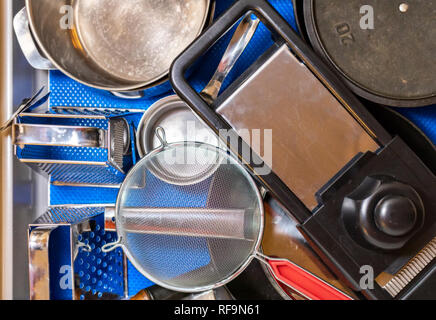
(192, 221)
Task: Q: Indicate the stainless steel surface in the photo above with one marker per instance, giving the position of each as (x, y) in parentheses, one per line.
(39, 267)
(178, 121)
(109, 219)
(76, 220)
(207, 262)
(119, 141)
(242, 36)
(6, 161)
(192, 222)
(114, 45)
(23, 192)
(220, 293)
(185, 173)
(27, 44)
(67, 136)
(174, 115)
(399, 281)
(145, 220)
(313, 135)
(74, 172)
(137, 40)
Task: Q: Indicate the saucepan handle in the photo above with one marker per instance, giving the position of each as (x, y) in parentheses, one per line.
(301, 280)
(132, 95)
(242, 36)
(27, 43)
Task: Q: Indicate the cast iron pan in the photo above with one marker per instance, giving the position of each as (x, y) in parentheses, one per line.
(383, 50)
(299, 18)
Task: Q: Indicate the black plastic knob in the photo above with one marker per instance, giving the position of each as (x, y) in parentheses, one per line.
(383, 213)
(395, 215)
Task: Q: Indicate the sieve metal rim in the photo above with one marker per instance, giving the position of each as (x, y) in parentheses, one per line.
(183, 181)
(155, 111)
(120, 243)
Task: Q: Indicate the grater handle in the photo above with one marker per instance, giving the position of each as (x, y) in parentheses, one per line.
(65, 136)
(131, 95)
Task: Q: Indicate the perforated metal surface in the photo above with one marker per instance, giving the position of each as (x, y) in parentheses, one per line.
(105, 164)
(69, 93)
(68, 215)
(96, 274)
(189, 234)
(100, 273)
(60, 195)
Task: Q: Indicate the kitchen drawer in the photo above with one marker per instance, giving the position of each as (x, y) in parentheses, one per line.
(25, 194)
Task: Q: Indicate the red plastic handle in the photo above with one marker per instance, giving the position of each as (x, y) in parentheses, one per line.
(304, 282)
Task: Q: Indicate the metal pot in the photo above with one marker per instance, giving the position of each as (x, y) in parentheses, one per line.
(107, 44)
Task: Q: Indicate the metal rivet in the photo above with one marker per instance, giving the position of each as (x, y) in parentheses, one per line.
(404, 7)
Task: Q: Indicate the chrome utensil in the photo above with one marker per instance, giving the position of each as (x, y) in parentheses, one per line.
(241, 38)
(64, 256)
(51, 142)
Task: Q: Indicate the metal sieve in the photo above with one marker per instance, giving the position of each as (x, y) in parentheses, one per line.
(200, 234)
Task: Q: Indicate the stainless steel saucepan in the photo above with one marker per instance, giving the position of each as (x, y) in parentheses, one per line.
(109, 44)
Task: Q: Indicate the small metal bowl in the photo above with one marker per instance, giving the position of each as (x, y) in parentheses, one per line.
(178, 121)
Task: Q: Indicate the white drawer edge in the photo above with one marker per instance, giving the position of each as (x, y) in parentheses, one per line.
(6, 155)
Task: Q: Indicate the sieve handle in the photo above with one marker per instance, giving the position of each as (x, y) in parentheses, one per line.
(302, 281)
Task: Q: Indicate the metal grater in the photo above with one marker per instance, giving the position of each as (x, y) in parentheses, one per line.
(65, 241)
(68, 215)
(75, 146)
(411, 269)
(119, 141)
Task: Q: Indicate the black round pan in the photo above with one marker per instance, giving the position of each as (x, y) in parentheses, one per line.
(383, 50)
